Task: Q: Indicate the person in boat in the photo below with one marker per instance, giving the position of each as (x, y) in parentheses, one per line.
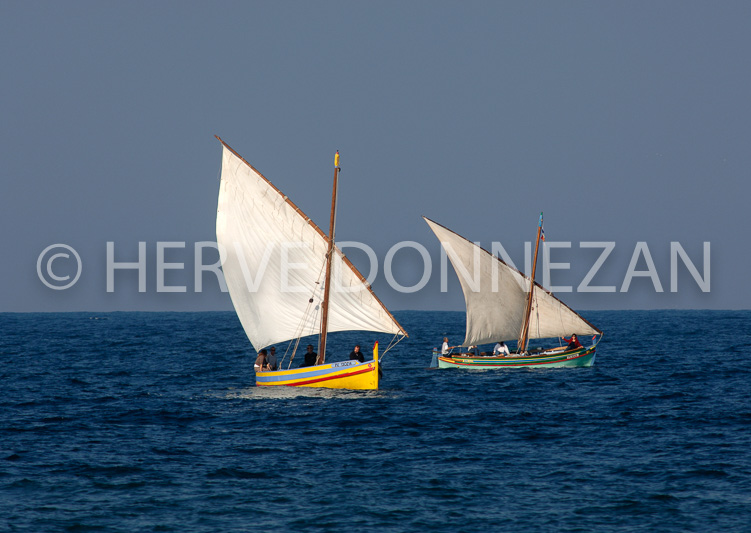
(473, 350)
(445, 348)
(357, 355)
(573, 342)
(310, 357)
(500, 348)
(271, 358)
(261, 363)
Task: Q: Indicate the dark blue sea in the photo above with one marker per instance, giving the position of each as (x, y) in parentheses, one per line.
(151, 422)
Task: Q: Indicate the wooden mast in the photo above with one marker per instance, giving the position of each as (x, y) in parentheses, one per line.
(524, 335)
(327, 280)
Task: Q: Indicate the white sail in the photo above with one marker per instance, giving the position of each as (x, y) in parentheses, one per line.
(274, 264)
(496, 296)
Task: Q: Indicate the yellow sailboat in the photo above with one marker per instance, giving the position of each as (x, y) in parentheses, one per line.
(288, 279)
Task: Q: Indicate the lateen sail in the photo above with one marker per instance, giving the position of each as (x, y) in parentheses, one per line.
(495, 295)
(274, 264)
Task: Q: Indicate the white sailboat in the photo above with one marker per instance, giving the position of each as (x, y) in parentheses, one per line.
(287, 279)
(502, 307)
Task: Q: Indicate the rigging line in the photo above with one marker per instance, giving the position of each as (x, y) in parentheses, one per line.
(297, 336)
(284, 357)
(294, 351)
(391, 345)
(298, 333)
(301, 324)
(285, 354)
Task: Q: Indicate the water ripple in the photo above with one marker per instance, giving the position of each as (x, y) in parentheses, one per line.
(150, 422)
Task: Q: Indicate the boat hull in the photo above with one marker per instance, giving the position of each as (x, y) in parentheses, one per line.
(342, 375)
(582, 357)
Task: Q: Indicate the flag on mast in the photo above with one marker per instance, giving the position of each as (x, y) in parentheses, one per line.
(542, 229)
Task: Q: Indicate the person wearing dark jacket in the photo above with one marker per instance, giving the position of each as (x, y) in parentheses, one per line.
(310, 357)
(357, 355)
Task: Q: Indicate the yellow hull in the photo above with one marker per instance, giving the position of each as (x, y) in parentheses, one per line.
(351, 375)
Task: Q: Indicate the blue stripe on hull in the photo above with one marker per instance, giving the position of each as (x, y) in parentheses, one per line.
(313, 374)
(272, 376)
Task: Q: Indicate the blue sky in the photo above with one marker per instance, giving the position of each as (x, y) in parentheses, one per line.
(623, 122)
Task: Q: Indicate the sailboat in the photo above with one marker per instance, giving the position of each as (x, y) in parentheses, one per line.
(287, 279)
(505, 305)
